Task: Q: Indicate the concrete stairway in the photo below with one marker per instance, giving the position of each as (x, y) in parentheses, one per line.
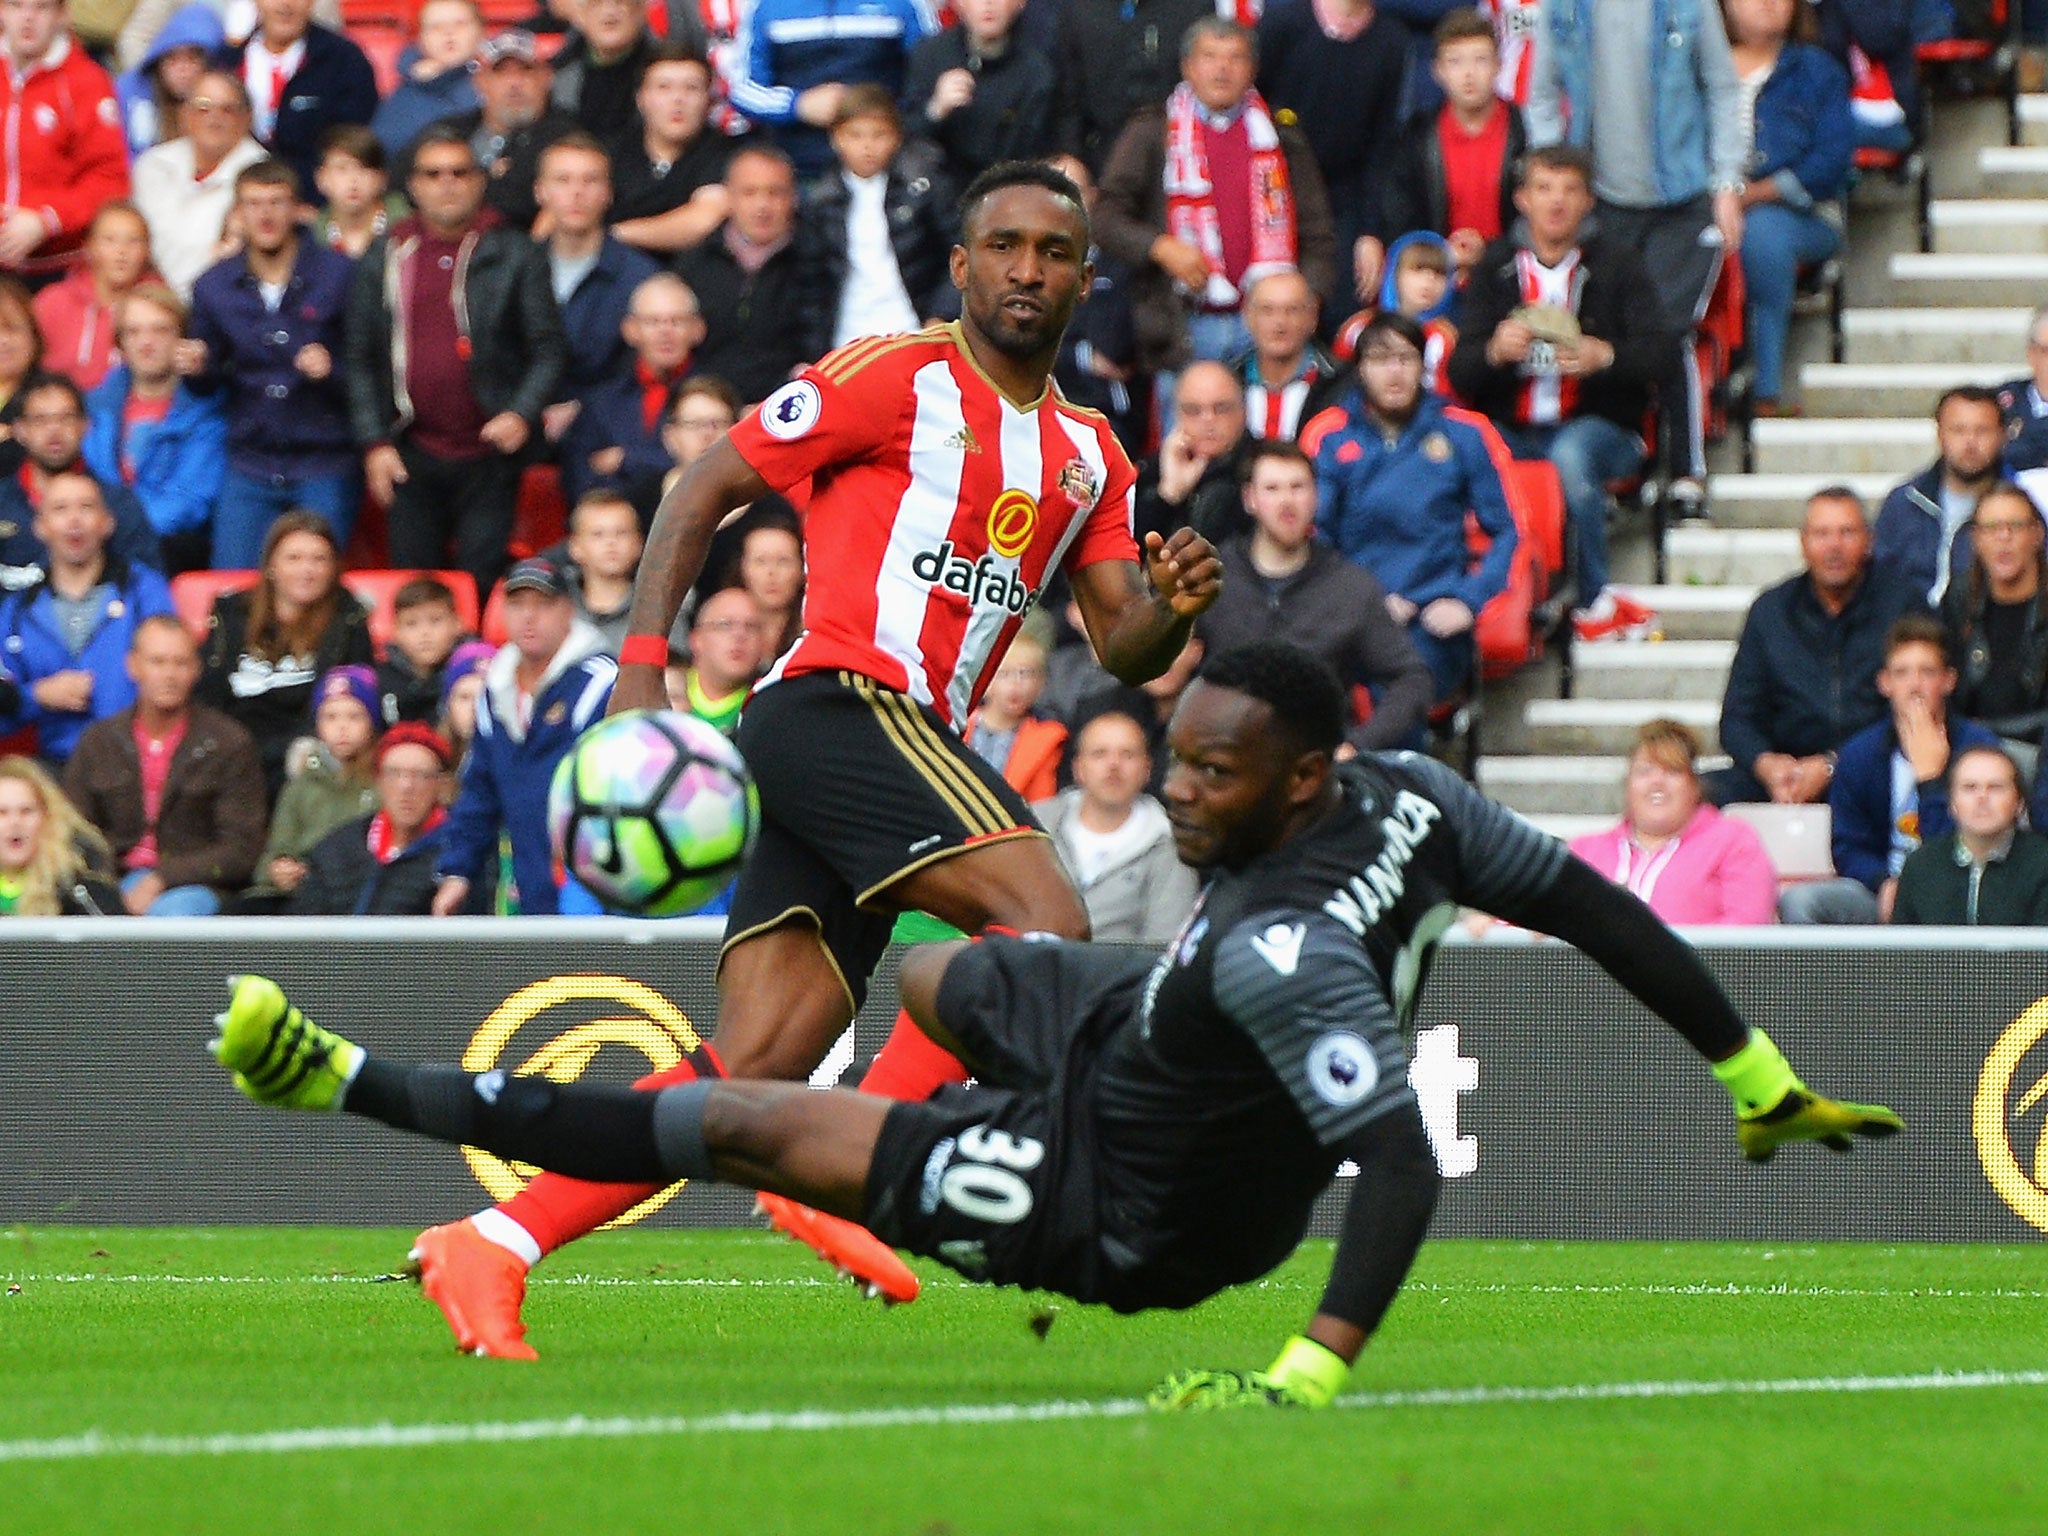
(1917, 324)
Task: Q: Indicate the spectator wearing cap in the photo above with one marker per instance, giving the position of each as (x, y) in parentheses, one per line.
(455, 347)
(329, 780)
(597, 73)
(547, 686)
(65, 640)
(302, 79)
(514, 122)
(437, 81)
(382, 864)
(64, 153)
(462, 688)
(272, 642)
(265, 340)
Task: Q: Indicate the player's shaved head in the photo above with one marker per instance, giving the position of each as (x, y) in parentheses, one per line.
(1020, 173)
(1252, 744)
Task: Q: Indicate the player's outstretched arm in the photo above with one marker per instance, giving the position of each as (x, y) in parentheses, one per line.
(1139, 613)
(1384, 1224)
(719, 481)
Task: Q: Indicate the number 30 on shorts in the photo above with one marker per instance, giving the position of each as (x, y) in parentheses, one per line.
(988, 1185)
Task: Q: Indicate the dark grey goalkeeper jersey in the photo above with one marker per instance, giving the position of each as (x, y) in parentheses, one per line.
(1272, 1029)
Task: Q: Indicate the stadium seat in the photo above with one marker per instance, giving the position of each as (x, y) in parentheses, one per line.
(1997, 52)
(542, 516)
(377, 590)
(368, 544)
(193, 594)
(493, 627)
(382, 43)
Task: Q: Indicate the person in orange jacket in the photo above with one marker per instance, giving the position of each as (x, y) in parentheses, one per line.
(1019, 745)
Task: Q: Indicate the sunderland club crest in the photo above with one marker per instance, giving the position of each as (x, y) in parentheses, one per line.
(1078, 484)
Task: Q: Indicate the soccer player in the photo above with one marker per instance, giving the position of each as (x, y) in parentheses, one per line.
(1145, 1133)
(947, 481)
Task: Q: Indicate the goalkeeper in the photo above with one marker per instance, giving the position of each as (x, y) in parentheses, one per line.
(1145, 1133)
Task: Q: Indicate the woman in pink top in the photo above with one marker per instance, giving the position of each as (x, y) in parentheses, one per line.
(1685, 859)
(76, 316)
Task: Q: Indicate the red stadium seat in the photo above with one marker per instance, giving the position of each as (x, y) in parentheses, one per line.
(382, 43)
(493, 629)
(193, 594)
(377, 591)
(542, 517)
(1539, 512)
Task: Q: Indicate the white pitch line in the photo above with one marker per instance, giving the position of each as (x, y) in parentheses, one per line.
(1704, 1288)
(92, 1445)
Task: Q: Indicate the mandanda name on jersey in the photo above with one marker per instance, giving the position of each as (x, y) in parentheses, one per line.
(979, 581)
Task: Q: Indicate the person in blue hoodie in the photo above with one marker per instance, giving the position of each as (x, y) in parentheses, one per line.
(541, 691)
(1798, 163)
(151, 93)
(65, 640)
(147, 430)
(1890, 788)
(1398, 470)
(436, 67)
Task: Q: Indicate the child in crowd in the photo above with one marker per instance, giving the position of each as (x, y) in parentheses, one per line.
(462, 684)
(148, 430)
(1418, 285)
(426, 629)
(438, 67)
(604, 551)
(351, 176)
(1454, 172)
(1006, 734)
(330, 779)
(76, 316)
(876, 236)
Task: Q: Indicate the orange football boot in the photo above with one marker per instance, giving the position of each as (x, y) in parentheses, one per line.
(852, 1250)
(479, 1288)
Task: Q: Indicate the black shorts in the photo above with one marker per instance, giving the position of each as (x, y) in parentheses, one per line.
(860, 785)
(1002, 1181)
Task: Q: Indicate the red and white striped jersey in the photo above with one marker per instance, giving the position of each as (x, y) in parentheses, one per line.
(937, 510)
(1514, 28)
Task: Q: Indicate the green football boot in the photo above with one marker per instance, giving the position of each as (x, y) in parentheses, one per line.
(277, 1054)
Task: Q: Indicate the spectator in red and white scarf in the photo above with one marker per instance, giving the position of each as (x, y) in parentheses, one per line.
(382, 864)
(1205, 196)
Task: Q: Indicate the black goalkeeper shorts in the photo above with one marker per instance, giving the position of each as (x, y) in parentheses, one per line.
(860, 786)
(1002, 1180)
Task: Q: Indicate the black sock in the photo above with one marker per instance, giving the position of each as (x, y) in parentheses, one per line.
(586, 1130)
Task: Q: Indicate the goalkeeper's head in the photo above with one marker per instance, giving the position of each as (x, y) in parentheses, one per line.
(1251, 747)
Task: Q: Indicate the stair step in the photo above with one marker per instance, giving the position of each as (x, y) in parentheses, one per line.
(1666, 669)
(1834, 390)
(1956, 277)
(1610, 725)
(1988, 224)
(1566, 827)
(1844, 445)
(1937, 336)
(1563, 786)
(1728, 556)
(1779, 501)
(2014, 171)
(1692, 612)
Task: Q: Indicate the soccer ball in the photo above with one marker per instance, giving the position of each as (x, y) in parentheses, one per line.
(653, 811)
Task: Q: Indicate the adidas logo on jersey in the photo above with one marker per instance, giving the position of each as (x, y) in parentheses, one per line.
(963, 440)
(979, 581)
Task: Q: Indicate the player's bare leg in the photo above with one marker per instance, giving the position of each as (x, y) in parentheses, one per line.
(1015, 884)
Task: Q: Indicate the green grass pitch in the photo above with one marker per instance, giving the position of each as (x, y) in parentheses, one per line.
(722, 1382)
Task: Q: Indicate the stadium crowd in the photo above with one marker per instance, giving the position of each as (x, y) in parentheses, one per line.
(343, 366)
